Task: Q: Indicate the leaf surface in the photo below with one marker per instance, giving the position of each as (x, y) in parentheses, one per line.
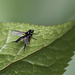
(49, 60)
(12, 52)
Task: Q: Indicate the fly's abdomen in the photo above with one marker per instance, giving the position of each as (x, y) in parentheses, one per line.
(26, 40)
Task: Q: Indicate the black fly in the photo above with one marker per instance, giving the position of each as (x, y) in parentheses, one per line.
(24, 35)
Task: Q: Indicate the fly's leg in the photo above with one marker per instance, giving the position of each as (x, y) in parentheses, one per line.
(34, 38)
(24, 47)
(35, 33)
(19, 39)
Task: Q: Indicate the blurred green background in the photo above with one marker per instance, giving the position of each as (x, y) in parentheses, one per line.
(41, 12)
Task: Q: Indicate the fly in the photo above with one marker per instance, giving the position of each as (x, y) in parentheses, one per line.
(24, 35)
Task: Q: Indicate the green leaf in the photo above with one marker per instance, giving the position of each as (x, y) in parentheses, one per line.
(12, 52)
(4, 28)
(50, 60)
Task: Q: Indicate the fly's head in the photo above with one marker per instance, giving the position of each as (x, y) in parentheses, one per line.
(30, 31)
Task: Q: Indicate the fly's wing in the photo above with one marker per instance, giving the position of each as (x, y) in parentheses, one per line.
(27, 40)
(18, 33)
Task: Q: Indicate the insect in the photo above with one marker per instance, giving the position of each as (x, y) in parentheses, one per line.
(24, 35)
